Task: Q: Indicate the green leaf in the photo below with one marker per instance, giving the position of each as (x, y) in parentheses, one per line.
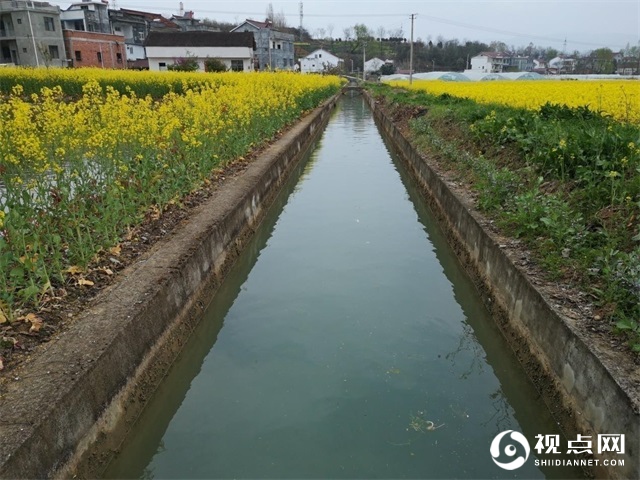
(626, 324)
(17, 272)
(29, 292)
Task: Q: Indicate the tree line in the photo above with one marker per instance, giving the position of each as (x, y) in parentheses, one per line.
(437, 54)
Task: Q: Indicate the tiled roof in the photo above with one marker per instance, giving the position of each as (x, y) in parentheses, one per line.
(200, 39)
(152, 17)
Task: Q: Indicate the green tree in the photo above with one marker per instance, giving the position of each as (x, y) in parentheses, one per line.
(387, 69)
(603, 60)
(214, 65)
(362, 32)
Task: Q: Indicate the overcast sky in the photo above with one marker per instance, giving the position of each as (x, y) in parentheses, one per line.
(586, 24)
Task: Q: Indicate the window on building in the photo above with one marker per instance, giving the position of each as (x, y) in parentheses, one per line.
(19, 21)
(237, 65)
(24, 49)
(54, 52)
(49, 26)
(78, 25)
(130, 49)
(119, 57)
(117, 29)
(279, 46)
(99, 56)
(78, 56)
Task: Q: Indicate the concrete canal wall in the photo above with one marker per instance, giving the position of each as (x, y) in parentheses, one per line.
(588, 392)
(72, 403)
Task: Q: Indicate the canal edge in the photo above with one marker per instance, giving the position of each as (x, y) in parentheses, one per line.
(95, 377)
(585, 393)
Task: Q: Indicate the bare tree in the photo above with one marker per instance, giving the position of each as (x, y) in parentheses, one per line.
(330, 30)
(348, 33)
(396, 33)
(280, 20)
(270, 15)
(380, 32)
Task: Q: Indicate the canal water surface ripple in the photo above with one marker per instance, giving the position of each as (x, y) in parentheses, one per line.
(347, 342)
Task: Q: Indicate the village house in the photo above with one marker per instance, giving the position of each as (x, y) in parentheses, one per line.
(31, 34)
(274, 48)
(500, 62)
(189, 23)
(561, 64)
(490, 62)
(319, 61)
(135, 25)
(88, 38)
(235, 50)
(374, 64)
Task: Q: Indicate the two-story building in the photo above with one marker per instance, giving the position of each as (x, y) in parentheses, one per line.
(500, 62)
(31, 34)
(274, 48)
(561, 64)
(490, 62)
(135, 25)
(89, 40)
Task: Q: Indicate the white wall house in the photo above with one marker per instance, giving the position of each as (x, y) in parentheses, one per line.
(319, 61)
(374, 64)
(490, 62)
(235, 50)
(562, 64)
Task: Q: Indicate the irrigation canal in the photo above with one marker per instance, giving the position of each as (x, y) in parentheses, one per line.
(346, 343)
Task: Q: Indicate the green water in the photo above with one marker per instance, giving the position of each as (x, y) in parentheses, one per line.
(345, 328)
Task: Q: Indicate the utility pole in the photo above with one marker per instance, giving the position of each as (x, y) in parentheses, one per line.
(364, 54)
(300, 21)
(33, 38)
(413, 16)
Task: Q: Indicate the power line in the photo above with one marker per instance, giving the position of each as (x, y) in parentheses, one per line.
(505, 32)
(445, 21)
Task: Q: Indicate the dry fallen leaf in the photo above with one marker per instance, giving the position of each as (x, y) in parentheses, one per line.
(35, 321)
(115, 250)
(106, 270)
(154, 213)
(3, 316)
(74, 270)
(84, 281)
(1, 364)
